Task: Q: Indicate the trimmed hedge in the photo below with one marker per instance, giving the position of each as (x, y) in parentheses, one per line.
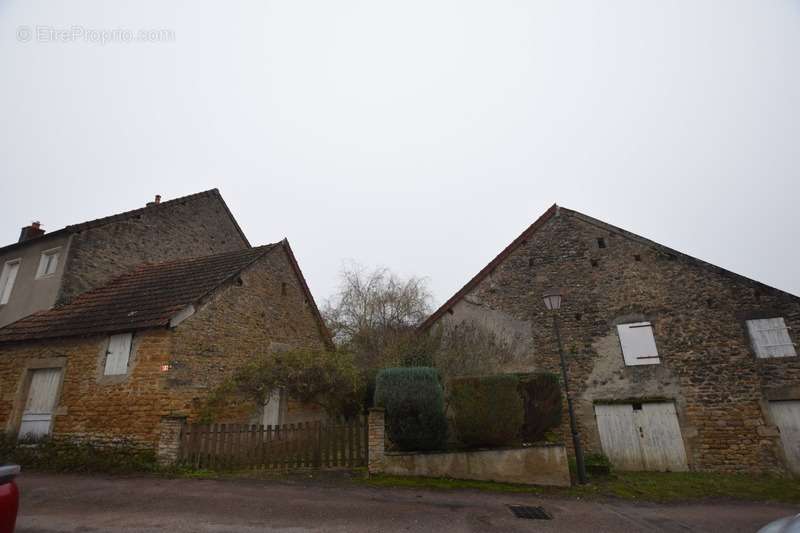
(489, 410)
(414, 402)
(543, 400)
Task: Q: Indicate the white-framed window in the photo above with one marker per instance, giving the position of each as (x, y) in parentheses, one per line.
(118, 354)
(638, 344)
(770, 337)
(48, 263)
(7, 278)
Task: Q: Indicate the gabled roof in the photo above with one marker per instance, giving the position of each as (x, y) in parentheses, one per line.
(74, 228)
(147, 296)
(556, 210)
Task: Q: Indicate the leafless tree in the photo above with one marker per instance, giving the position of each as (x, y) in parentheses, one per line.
(470, 349)
(375, 312)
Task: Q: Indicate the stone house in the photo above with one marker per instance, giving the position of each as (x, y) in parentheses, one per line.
(47, 269)
(673, 363)
(150, 346)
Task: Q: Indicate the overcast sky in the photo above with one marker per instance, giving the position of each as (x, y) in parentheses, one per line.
(419, 135)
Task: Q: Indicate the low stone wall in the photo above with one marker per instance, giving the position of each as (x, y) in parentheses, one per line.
(534, 465)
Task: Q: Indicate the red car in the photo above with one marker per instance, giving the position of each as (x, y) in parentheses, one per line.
(9, 498)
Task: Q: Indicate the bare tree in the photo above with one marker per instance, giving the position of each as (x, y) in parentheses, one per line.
(470, 349)
(374, 313)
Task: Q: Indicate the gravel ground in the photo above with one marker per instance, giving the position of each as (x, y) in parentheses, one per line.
(91, 503)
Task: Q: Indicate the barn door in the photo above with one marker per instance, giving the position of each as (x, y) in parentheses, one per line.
(787, 417)
(641, 436)
(618, 436)
(660, 434)
(37, 417)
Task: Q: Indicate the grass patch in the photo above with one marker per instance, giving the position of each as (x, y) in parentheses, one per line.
(681, 486)
(446, 484)
(640, 486)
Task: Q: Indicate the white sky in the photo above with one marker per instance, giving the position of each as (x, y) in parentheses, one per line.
(418, 135)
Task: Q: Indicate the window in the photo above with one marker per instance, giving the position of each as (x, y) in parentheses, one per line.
(638, 344)
(118, 353)
(48, 263)
(770, 338)
(7, 278)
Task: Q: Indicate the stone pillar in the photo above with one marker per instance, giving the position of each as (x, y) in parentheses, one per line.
(169, 439)
(376, 434)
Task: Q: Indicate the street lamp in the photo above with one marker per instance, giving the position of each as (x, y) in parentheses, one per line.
(552, 301)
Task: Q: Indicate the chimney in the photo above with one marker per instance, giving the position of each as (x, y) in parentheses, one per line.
(155, 202)
(31, 232)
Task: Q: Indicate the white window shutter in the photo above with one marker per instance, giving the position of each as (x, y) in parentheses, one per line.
(119, 350)
(638, 344)
(770, 338)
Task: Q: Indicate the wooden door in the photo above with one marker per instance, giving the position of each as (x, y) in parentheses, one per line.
(660, 436)
(642, 436)
(618, 436)
(37, 418)
(786, 416)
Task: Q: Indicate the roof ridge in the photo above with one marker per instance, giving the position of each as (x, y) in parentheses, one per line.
(124, 215)
(662, 247)
(556, 210)
(552, 211)
(146, 296)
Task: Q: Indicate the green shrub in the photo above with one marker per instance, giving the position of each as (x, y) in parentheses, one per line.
(71, 455)
(597, 465)
(414, 402)
(542, 397)
(488, 410)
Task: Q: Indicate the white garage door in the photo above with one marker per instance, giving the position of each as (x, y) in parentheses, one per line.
(642, 436)
(786, 416)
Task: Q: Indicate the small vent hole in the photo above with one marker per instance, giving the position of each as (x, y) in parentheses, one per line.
(594, 263)
(283, 288)
(637, 257)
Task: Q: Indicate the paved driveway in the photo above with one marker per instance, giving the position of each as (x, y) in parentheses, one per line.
(84, 503)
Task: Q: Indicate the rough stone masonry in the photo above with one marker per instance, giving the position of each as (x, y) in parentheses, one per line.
(708, 368)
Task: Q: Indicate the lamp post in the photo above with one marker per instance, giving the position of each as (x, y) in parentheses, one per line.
(552, 301)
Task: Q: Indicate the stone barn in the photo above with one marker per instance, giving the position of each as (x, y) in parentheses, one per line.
(674, 363)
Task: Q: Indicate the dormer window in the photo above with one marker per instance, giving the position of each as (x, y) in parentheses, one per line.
(48, 263)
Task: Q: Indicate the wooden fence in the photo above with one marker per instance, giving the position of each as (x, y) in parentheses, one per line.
(286, 447)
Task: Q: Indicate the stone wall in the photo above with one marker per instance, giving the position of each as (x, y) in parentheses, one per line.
(171, 371)
(698, 313)
(195, 226)
(91, 405)
(264, 308)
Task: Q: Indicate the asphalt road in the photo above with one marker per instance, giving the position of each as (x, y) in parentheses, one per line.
(89, 504)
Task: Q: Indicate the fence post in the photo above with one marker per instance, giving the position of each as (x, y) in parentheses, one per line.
(375, 440)
(169, 439)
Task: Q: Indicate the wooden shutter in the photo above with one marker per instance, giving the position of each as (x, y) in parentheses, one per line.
(119, 350)
(770, 338)
(638, 344)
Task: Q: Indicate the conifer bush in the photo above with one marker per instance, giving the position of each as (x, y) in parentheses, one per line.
(414, 402)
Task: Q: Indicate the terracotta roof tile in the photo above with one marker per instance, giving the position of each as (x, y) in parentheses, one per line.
(147, 296)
